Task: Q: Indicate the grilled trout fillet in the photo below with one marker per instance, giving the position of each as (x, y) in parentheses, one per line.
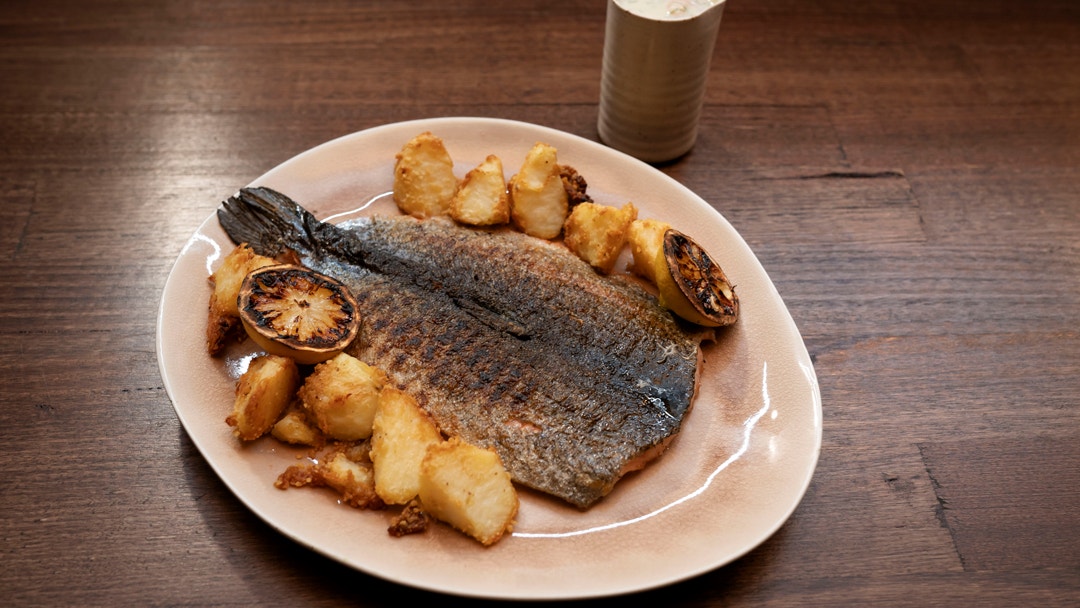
(508, 341)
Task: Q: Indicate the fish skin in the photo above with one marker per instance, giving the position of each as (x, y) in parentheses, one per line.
(508, 341)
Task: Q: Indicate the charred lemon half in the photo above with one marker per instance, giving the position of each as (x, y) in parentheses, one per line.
(296, 312)
(694, 286)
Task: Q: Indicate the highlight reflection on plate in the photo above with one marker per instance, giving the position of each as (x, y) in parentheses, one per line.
(733, 476)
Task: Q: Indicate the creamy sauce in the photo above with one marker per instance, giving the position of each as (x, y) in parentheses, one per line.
(667, 10)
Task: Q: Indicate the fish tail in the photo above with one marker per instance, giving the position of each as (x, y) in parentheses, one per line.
(270, 222)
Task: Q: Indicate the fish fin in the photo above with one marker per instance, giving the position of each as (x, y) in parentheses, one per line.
(270, 222)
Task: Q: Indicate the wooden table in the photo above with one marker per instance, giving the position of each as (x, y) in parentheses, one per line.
(908, 174)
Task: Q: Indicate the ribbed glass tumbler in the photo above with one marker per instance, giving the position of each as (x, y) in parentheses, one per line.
(657, 55)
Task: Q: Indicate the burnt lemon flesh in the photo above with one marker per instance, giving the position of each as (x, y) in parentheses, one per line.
(695, 287)
(293, 311)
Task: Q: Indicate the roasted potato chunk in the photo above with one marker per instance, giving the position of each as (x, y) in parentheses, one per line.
(646, 238)
(482, 199)
(341, 396)
(468, 488)
(424, 181)
(355, 481)
(402, 432)
(294, 428)
(598, 233)
(538, 201)
(223, 320)
(263, 393)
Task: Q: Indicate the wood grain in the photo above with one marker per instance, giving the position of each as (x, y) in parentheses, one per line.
(907, 173)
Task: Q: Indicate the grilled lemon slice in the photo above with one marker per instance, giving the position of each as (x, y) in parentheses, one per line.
(693, 286)
(296, 312)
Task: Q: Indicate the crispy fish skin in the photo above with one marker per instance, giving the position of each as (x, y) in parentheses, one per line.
(508, 341)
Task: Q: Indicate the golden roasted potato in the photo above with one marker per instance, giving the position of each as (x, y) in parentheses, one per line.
(538, 201)
(263, 393)
(223, 319)
(402, 432)
(646, 238)
(424, 182)
(294, 428)
(341, 396)
(468, 488)
(597, 233)
(356, 451)
(482, 199)
(355, 481)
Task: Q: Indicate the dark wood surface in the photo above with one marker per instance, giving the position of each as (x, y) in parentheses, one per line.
(907, 172)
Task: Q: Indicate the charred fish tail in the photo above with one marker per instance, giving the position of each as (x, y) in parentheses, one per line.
(270, 223)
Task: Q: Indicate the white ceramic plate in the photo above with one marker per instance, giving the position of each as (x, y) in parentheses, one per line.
(734, 475)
